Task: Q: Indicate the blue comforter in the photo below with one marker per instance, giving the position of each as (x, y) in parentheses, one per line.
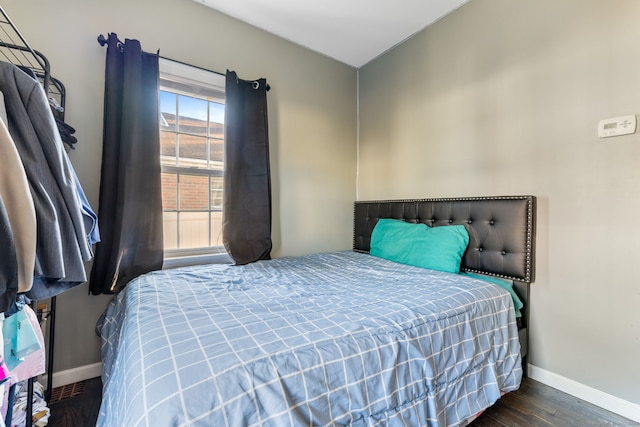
(329, 339)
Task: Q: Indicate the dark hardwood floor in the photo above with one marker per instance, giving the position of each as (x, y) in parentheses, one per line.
(69, 409)
(534, 404)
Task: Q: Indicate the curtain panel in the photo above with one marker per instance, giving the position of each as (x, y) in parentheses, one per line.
(130, 202)
(246, 221)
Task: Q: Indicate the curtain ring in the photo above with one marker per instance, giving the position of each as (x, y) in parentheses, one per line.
(255, 85)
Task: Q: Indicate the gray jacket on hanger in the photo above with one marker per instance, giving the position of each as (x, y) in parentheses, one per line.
(61, 247)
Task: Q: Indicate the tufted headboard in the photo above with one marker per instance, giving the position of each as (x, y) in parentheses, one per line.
(501, 229)
(501, 237)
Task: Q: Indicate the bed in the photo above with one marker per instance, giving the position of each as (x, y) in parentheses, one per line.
(339, 338)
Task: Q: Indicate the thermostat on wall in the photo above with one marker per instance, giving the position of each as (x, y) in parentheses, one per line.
(623, 125)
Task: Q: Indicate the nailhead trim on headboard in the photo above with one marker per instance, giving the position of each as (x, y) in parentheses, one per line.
(496, 229)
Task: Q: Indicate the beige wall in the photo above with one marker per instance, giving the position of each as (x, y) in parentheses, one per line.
(504, 97)
(312, 119)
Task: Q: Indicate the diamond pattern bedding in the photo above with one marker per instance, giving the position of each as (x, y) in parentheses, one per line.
(340, 338)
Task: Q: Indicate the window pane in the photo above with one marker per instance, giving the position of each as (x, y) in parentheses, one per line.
(216, 120)
(193, 151)
(167, 111)
(192, 114)
(216, 229)
(216, 130)
(216, 154)
(216, 193)
(168, 148)
(194, 193)
(169, 182)
(194, 227)
(170, 229)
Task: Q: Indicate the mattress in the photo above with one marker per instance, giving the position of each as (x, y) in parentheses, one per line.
(339, 338)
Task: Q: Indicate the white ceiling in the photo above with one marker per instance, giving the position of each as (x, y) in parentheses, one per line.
(351, 31)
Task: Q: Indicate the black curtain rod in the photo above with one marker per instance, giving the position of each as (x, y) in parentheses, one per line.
(191, 65)
(268, 88)
(102, 40)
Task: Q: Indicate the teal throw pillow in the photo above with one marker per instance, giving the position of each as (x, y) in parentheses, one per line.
(435, 248)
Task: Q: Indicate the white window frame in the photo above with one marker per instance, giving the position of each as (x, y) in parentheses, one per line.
(198, 78)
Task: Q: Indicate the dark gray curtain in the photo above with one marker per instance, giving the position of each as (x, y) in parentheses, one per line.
(246, 223)
(130, 204)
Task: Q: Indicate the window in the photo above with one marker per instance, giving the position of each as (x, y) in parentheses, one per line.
(192, 159)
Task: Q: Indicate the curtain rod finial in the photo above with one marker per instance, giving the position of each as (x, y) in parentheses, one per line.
(102, 40)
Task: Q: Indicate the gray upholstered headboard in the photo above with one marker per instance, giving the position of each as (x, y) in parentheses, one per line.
(501, 229)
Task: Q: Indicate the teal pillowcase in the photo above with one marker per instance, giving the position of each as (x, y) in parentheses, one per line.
(435, 248)
(505, 284)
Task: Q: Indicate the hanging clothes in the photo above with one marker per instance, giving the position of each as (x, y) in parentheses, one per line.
(9, 265)
(21, 338)
(23, 346)
(61, 244)
(14, 190)
(4, 386)
(31, 347)
(66, 134)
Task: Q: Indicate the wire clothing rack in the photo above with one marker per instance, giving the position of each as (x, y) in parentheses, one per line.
(15, 49)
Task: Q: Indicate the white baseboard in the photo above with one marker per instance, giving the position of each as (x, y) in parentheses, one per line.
(596, 397)
(74, 375)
